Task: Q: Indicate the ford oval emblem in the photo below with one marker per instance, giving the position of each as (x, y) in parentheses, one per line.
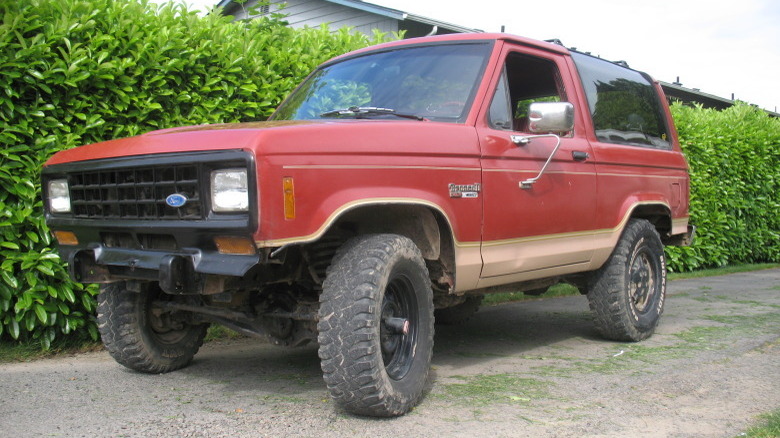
(176, 200)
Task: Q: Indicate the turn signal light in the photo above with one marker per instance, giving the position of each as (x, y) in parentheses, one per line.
(66, 238)
(234, 245)
(289, 198)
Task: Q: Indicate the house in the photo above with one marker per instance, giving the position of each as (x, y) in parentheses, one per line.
(363, 17)
(689, 96)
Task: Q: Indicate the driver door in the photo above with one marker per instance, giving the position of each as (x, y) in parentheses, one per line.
(546, 229)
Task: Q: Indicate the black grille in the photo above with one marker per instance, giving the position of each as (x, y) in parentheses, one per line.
(137, 193)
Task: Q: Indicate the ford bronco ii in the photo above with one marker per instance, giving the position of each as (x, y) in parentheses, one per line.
(395, 187)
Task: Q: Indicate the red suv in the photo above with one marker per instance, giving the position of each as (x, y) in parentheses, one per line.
(396, 186)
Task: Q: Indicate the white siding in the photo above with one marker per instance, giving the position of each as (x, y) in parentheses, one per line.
(387, 25)
(312, 13)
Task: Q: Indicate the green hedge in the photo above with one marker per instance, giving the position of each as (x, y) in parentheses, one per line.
(74, 72)
(734, 158)
(80, 71)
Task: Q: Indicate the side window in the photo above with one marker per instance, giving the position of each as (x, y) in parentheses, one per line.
(500, 107)
(525, 80)
(623, 104)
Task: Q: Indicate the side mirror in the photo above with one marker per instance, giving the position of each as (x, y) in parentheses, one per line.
(544, 117)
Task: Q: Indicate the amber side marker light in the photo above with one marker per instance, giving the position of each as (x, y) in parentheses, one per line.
(66, 238)
(289, 198)
(234, 245)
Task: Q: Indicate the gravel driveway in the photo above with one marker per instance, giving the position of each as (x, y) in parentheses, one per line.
(534, 368)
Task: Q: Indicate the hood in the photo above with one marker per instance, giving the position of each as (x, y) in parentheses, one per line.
(308, 137)
(180, 139)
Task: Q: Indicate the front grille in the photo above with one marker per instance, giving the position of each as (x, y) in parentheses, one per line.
(136, 193)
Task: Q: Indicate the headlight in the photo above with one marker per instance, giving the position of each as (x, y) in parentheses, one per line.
(59, 196)
(229, 190)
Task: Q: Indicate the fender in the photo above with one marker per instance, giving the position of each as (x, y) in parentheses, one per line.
(641, 206)
(467, 254)
(343, 209)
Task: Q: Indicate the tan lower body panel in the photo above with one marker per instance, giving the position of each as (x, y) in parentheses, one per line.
(537, 257)
(533, 258)
(532, 254)
(532, 275)
(468, 257)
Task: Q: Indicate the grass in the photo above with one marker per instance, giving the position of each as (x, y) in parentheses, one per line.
(217, 332)
(688, 341)
(769, 428)
(32, 350)
(627, 356)
(559, 290)
(726, 270)
(485, 389)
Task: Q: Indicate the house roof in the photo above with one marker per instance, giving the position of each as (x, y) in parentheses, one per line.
(675, 91)
(687, 95)
(385, 12)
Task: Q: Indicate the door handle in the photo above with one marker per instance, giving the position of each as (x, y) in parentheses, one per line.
(579, 155)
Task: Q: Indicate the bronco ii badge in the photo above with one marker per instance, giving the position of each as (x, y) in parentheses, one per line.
(465, 190)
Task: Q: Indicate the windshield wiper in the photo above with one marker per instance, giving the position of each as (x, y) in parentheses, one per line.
(362, 111)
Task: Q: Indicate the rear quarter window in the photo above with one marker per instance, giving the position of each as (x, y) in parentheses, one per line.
(623, 104)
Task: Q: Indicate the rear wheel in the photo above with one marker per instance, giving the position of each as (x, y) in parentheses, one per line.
(143, 336)
(627, 294)
(376, 326)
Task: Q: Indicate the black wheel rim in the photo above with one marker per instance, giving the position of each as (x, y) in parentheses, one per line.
(642, 281)
(398, 327)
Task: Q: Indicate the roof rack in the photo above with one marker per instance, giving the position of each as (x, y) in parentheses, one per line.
(574, 49)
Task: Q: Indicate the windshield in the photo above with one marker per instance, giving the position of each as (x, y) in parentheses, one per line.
(432, 82)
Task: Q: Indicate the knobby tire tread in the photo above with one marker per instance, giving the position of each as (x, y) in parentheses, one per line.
(607, 297)
(122, 330)
(351, 362)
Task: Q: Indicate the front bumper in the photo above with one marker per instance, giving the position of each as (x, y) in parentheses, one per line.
(188, 271)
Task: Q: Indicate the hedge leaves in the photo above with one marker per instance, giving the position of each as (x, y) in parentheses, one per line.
(734, 157)
(74, 72)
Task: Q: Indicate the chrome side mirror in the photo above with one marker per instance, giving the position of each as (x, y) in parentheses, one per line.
(545, 117)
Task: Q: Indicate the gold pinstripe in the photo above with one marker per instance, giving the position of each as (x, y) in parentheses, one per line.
(365, 167)
(558, 172)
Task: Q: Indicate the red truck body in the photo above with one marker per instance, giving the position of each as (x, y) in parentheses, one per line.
(454, 187)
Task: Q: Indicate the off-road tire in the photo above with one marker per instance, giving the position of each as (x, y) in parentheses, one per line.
(459, 313)
(371, 368)
(627, 294)
(125, 325)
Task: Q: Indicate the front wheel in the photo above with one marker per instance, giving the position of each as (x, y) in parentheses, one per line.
(627, 294)
(143, 336)
(376, 326)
